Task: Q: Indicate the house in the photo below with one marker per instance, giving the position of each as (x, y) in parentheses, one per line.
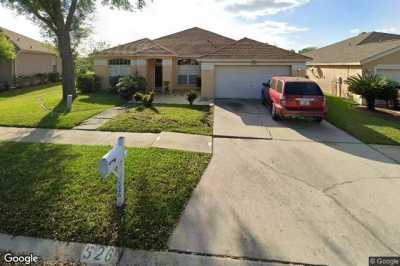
(374, 53)
(32, 57)
(218, 66)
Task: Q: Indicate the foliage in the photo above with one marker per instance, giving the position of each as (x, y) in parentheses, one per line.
(7, 49)
(390, 92)
(127, 86)
(88, 82)
(191, 97)
(148, 99)
(164, 117)
(84, 65)
(54, 191)
(369, 127)
(138, 96)
(67, 22)
(113, 84)
(40, 79)
(54, 77)
(43, 106)
(368, 86)
(307, 49)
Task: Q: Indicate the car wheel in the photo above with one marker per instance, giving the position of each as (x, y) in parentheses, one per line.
(275, 114)
(318, 119)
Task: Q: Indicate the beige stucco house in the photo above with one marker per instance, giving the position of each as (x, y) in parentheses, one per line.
(32, 57)
(374, 53)
(218, 66)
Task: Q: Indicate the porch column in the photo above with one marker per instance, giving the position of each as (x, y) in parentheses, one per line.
(168, 72)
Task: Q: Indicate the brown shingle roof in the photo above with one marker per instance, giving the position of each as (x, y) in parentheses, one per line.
(251, 49)
(356, 49)
(194, 42)
(140, 47)
(24, 43)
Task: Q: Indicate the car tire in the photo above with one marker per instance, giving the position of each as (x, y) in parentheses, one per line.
(318, 119)
(274, 113)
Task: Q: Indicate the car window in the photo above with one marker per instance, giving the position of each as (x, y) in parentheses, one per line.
(302, 88)
(271, 84)
(280, 86)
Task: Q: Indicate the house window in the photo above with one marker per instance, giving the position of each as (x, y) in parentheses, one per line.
(188, 72)
(118, 67)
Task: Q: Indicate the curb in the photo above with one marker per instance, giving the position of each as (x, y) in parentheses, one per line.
(69, 252)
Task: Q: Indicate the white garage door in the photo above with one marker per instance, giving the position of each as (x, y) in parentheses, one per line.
(390, 73)
(245, 81)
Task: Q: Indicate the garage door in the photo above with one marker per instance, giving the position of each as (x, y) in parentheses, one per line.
(390, 73)
(245, 81)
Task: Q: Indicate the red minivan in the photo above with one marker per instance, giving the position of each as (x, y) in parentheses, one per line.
(295, 97)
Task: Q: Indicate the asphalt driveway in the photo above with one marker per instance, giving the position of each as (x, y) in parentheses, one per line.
(300, 193)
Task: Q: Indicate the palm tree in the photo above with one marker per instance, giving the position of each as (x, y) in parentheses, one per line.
(368, 86)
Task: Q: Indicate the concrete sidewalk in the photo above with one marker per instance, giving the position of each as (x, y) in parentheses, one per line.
(168, 140)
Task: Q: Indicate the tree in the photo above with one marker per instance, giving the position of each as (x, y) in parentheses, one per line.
(368, 86)
(68, 22)
(307, 49)
(7, 49)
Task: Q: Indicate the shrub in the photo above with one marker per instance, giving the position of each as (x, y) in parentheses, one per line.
(88, 82)
(138, 96)
(53, 77)
(389, 92)
(113, 84)
(191, 96)
(40, 78)
(127, 86)
(148, 99)
(22, 81)
(368, 86)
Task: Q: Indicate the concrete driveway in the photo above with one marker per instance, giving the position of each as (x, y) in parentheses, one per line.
(300, 193)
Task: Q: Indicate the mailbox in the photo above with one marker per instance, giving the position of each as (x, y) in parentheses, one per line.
(114, 163)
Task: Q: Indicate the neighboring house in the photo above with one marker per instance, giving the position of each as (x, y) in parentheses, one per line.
(198, 59)
(374, 53)
(32, 57)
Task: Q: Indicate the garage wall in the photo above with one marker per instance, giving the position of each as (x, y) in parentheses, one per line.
(6, 72)
(208, 74)
(391, 59)
(326, 77)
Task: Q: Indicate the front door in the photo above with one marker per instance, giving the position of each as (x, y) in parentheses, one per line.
(158, 74)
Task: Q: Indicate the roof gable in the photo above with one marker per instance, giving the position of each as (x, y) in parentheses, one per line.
(25, 43)
(355, 49)
(251, 49)
(140, 47)
(194, 42)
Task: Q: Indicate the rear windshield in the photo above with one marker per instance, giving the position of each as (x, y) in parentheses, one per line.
(302, 88)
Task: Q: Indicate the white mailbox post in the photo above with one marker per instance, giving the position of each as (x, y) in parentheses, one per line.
(113, 163)
(69, 102)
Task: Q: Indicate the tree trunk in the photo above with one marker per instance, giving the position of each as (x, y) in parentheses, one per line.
(370, 103)
(68, 70)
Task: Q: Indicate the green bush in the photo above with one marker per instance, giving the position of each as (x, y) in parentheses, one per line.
(22, 81)
(191, 97)
(113, 84)
(53, 77)
(127, 86)
(148, 99)
(40, 78)
(88, 82)
(389, 92)
(138, 96)
(368, 86)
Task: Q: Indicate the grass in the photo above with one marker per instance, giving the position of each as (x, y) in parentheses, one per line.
(163, 117)
(369, 127)
(43, 107)
(54, 191)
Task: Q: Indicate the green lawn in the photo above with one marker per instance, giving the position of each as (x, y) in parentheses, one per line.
(42, 107)
(369, 127)
(163, 117)
(54, 191)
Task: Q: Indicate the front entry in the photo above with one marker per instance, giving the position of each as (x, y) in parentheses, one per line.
(158, 74)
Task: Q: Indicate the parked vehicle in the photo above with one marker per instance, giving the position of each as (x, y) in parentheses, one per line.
(295, 97)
